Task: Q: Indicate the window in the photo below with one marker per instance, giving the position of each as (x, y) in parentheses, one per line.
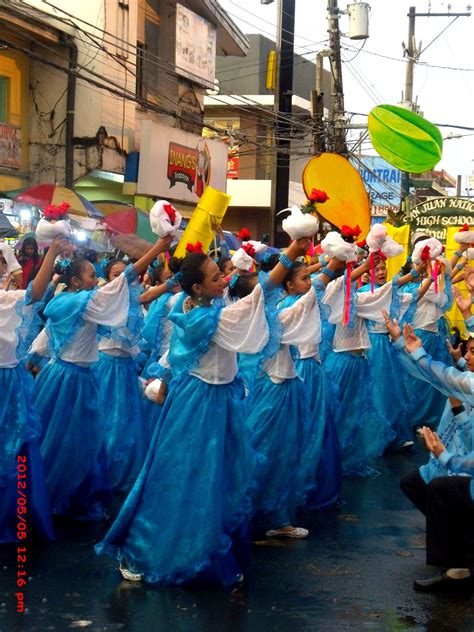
(140, 85)
(4, 99)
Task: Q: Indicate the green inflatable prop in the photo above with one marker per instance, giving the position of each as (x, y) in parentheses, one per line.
(406, 140)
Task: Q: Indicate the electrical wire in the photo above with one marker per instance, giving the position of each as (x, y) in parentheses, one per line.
(243, 100)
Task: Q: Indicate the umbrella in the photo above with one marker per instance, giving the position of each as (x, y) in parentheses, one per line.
(44, 194)
(130, 221)
(131, 245)
(6, 228)
(107, 207)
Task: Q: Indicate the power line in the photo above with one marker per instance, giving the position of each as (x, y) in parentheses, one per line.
(155, 60)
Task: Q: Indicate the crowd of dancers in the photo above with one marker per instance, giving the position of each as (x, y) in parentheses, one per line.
(215, 400)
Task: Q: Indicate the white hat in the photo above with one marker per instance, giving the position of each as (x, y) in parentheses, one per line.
(335, 246)
(299, 224)
(464, 236)
(241, 260)
(434, 246)
(46, 231)
(164, 219)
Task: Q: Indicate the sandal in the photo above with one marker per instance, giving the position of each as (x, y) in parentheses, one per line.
(131, 577)
(298, 533)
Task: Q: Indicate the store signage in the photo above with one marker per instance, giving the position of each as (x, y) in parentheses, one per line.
(195, 47)
(233, 164)
(10, 146)
(179, 165)
(381, 180)
(436, 215)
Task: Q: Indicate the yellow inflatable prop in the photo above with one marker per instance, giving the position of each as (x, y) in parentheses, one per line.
(209, 211)
(348, 200)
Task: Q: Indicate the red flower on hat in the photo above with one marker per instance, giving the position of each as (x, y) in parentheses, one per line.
(464, 228)
(425, 253)
(249, 249)
(50, 212)
(244, 234)
(170, 210)
(350, 233)
(63, 208)
(318, 197)
(194, 248)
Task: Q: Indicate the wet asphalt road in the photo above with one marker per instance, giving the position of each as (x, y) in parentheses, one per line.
(354, 572)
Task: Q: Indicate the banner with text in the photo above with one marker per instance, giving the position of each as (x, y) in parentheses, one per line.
(436, 215)
(177, 165)
(381, 180)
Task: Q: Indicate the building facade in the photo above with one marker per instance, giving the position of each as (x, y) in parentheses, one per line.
(79, 79)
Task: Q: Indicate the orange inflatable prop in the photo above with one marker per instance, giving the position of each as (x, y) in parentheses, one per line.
(348, 200)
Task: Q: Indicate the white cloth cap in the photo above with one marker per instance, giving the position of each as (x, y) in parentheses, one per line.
(464, 237)
(335, 246)
(435, 246)
(299, 224)
(160, 220)
(46, 231)
(241, 260)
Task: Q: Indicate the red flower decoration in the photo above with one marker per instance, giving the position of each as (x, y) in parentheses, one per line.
(318, 197)
(464, 228)
(170, 210)
(244, 234)
(425, 253)
(350, 233)
(361, 244)
(53, 213)
(63, 208)
(192, 248)
(249, 249)
(50, 212)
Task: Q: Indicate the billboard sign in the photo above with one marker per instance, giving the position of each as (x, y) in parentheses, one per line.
(195, 47)
(178, 165)
(381, 180)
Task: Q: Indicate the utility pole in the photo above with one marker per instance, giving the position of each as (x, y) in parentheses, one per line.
(337, 113)
(412, 54)
(317, 105)
(283, 110)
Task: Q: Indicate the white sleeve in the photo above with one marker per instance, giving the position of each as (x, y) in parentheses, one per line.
(40, 345)
(334, 299)
(109, 304)
(12, 261)
(243, 326)
(302, 321)
(439, 298)
(370, 306)
(448, 380)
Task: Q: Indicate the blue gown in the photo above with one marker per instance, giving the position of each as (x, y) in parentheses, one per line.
(283, 430)
(121, 408)
(19, 446)
(155, 335)
(389, 395)
(187, 514)
(66, 396)
(427, 410)
(321, 460)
